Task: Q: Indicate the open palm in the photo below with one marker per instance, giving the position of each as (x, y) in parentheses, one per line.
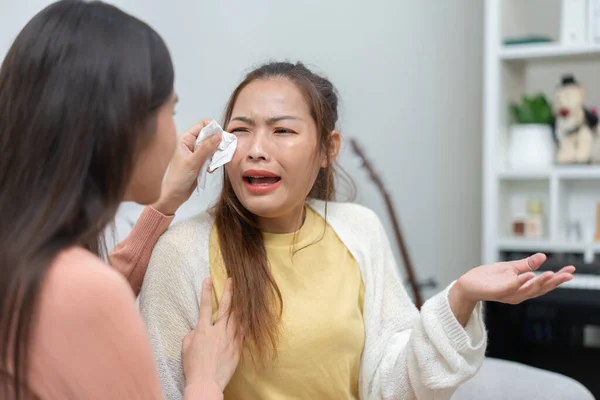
(512, 282)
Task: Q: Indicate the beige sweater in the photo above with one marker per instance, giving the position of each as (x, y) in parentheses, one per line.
(407, 354)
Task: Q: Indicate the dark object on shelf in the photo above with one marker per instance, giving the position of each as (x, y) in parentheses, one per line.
(548, 332)
(415, 286)
(519, 228)
(556, 261)
(527, 40)
(548, 336)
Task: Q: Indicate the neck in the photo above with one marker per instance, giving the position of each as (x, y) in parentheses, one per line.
(288, 223)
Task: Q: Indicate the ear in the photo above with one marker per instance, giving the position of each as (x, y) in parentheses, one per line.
(334, 148)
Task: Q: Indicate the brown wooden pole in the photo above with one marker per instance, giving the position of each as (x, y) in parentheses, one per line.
(408, 266)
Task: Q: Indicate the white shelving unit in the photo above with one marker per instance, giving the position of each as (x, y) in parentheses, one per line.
(547, 51)
(567, 193)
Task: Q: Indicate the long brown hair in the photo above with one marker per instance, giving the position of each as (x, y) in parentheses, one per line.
(258, 303)
(79, 91)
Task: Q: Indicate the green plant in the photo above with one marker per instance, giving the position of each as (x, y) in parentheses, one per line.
(532, 110)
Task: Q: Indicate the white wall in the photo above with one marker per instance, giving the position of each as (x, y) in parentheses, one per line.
(409, 75)
(458, 132)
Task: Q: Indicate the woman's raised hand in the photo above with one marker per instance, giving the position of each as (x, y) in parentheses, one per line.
(511, 282)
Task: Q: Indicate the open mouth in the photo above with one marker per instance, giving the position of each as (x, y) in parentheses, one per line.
(262, 180)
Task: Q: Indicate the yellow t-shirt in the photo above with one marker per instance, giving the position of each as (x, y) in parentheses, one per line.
(322, 324)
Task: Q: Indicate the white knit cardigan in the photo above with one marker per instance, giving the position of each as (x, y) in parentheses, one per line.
(407, 354)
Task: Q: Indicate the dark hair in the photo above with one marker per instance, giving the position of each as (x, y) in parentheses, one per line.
(258, 302)
(79, 91)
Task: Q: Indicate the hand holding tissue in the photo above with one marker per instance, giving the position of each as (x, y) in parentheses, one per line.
(224, 152)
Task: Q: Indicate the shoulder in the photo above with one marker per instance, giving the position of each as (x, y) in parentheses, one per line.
(88, 320)
(357, 226)
(351, 216)
(181, 253)
(189, 228)
(80, 287)
(184, 241)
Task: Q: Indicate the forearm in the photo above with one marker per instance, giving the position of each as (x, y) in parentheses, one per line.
(167, 206)
(131, 256)
(203, 391)
(461, 307)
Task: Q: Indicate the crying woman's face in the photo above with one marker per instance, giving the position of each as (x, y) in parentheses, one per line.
(278, 157)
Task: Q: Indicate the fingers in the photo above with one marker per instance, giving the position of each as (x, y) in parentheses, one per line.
(205, 150)
(205, 318)
(187, 339)
(238, 341)
(557, 280)
(528, 264)
(195, 130)
(188, 141)
(225, 301)
(569, 270)
(543, 284)
(534, 286)
(232, 330)
(528, 289)
(545, 281)
(188, 138)
(524, 278)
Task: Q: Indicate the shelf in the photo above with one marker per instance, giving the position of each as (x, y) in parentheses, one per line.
(548, 51)
(510, 174)
(569, 194)
(578, 172)
(533, 245)
(574, 172)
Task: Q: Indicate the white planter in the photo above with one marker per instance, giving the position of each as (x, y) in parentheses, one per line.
(531, 146)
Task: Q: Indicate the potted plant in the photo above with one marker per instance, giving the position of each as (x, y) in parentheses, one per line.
(531, 142)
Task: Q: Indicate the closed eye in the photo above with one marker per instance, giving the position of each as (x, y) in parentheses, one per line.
(238, 130)
(284, 131)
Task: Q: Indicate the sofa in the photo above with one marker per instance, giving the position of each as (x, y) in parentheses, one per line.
(506, 380)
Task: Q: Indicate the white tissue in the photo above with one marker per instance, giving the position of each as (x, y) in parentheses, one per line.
(222, 156)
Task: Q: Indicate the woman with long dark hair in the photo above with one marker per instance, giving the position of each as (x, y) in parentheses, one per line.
(86, 105)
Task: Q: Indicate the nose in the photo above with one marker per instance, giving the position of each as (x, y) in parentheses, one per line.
(258, 148)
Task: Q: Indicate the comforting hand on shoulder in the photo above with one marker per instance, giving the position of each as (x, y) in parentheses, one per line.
(211, 352)
(511, 282)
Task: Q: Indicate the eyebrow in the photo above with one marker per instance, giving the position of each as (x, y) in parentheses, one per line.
(270, 121)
